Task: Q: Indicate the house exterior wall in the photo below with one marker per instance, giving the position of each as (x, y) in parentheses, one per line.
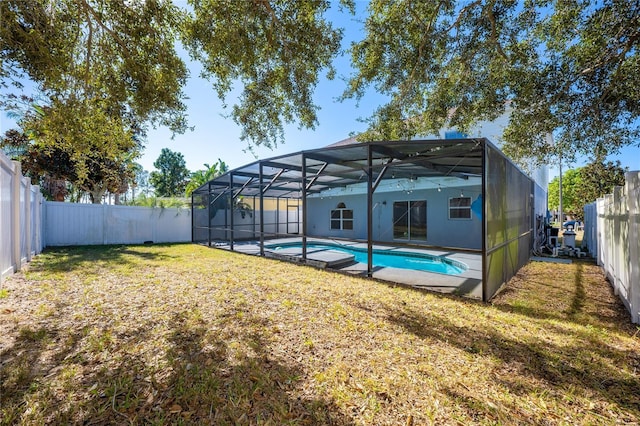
(441, 231)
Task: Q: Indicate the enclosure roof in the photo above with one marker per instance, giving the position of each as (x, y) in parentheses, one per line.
(342, 165)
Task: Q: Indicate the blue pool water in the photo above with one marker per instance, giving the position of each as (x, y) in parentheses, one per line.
(384, 258)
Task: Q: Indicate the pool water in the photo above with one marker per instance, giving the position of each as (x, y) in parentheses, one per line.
(385, 258)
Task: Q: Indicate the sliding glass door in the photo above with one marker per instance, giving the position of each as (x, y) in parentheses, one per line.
(410, 220)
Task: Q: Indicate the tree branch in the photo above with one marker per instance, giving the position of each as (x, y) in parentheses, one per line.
(102, 25)
(494, 32)
(462, 12)
(409, 82)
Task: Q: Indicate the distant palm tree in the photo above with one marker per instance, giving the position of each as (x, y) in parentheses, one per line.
(200, 177)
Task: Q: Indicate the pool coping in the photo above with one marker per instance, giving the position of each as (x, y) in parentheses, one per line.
(467, 283)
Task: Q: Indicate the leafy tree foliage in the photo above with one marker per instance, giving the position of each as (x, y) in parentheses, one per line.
(276, 49)
(104, 164)
(120, 54)
(571, 182)
(200, 177)
(598, 179)
(123, 53)
(171, 177)
(567, 67)
(144, 200)
(584, 185)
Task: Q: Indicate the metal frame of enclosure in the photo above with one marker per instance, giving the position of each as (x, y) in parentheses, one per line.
(275, 198)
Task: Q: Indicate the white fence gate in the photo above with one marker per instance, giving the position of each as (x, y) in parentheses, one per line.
(95, 224)
(20, 217)
(612, 234)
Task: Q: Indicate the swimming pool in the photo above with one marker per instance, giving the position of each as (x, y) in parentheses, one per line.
(385, 258)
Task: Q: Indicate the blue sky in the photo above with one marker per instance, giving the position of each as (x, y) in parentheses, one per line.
(215, 136)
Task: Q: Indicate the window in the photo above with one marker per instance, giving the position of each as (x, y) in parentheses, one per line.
(410, 220)
(342, 218)
(460, 208)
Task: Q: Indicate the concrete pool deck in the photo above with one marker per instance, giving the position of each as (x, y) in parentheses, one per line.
(467, 283)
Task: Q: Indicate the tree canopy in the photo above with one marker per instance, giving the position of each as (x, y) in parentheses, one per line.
(275, 49)
(49, 155)
(571, 68)
(170, 180)
(567, 67)
(584, 185)
(200, 177)
(123, 53)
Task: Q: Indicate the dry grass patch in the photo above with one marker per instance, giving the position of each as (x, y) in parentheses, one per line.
(183, 334)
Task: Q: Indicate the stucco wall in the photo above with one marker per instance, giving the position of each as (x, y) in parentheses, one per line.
(441, 231)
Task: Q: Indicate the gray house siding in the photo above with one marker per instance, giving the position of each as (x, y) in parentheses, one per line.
(441, 231)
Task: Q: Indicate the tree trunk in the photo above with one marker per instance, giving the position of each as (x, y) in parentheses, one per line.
(96, 195)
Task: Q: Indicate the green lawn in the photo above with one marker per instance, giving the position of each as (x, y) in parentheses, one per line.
(184, 334)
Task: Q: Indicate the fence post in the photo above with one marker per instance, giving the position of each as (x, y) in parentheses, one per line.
(15, 215)
(27, 215)
(633, 199)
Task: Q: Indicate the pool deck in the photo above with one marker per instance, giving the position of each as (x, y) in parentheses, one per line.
(467, 283)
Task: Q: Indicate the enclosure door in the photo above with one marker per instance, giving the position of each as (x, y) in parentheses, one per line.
(293, 219)
(410, 220)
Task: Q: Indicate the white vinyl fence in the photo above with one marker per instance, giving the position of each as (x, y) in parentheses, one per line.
(96, 224)
(28, 223)
(612, 234)
(20, 218)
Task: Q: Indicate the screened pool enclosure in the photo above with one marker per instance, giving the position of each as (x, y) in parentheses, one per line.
(455, 196)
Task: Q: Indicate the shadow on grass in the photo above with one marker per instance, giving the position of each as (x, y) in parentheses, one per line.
(67, 259)
(22, 372)
(199, 377)
(578, 298)
(606, 309)
(574, 366)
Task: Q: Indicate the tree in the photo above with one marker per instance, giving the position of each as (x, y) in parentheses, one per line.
(598, 179)
(120, 53)
(104, 164)
(570, 68)
(103, 70)
(171, 178)
(584, 185)
(276, 49)
(571, 182)
(124, 54)
(50, 169)
(200, 177)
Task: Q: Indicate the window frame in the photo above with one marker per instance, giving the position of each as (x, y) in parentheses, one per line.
(342, 218)
(459, 208)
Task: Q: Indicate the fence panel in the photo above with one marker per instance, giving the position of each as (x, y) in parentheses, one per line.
(590, 237)
(633, 204)
(7, 173)
(615, 227)
(95, 224)
(20, 213)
